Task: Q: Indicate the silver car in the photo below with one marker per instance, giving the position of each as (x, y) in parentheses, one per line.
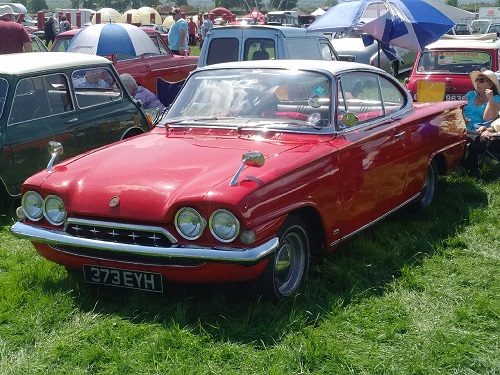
(351, 48)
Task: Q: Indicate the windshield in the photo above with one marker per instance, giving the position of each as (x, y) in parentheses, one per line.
(454, 61)
(247, 97)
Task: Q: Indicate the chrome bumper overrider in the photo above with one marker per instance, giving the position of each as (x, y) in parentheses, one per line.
(217, 254)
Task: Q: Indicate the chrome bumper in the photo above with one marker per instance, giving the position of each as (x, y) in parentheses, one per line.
(208, 254)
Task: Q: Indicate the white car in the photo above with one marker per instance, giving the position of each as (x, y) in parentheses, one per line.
(352, 48)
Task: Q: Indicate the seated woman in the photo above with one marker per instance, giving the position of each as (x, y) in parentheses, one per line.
(483, 107)
(483, 103)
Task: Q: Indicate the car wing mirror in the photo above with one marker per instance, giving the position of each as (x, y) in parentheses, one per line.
(252, 159)
(55, 149)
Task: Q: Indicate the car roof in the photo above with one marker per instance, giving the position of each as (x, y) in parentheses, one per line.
(22, 63)
(480, 41)
(333, 67)
(286, 30)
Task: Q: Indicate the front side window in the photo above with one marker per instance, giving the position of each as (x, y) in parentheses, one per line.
(368, 96)
(45, 96)
(94, 86)
(453, 61)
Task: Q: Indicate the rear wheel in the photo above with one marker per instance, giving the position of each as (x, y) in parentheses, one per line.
(430, 187)
(287, 268)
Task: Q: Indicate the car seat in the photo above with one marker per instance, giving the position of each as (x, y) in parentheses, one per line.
(260, 55)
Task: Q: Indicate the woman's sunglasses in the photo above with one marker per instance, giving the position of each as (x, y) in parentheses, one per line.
(481, 80)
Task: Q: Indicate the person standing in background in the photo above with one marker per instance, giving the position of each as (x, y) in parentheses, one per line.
(64, 25)
(178, 33)
(192, 28)
(205, 28)
(49, 30)
(13, 36)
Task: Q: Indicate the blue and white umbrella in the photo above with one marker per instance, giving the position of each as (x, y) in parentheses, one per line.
(411, 24)
(111, 38)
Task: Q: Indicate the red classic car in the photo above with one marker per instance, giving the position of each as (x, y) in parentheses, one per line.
(257, 166)
(145, 69)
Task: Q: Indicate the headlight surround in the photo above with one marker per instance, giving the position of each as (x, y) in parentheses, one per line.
(54, 210)
(189, 223)
(32, 204)
(224, 225)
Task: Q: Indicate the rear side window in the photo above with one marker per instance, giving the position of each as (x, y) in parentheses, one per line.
(95, 86)
(223, 50)
(307, 49)
(45, 96)
(259, 49)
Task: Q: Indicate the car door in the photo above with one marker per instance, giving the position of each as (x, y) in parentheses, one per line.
(373, 158)
(42, 110)
(105, 112)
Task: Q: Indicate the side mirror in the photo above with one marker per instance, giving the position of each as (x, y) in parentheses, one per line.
(55, 149)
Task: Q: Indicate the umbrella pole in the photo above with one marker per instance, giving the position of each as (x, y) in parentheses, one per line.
(378, 53)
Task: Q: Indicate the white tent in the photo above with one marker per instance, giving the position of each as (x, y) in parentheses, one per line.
(318, 12)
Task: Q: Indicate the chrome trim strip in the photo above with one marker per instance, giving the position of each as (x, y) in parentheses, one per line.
(380, 218)
(218, 254)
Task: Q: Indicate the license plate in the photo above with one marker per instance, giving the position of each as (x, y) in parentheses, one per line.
(148, 281)
(454, 97)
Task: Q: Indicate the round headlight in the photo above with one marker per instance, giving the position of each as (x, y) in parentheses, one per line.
(54, 210)
(32, 205)
(224, 225)
(189, 223)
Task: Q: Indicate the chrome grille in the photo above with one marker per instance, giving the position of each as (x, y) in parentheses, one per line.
(120, 233)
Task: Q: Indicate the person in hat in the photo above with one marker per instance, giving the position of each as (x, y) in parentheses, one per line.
(482, 108)
(13, 36)
(178, 33)
(484, 102)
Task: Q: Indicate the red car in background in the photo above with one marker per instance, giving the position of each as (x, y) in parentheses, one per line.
(146, 69)
(451, 59)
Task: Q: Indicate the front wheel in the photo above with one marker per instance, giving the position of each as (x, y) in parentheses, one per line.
(287, 268)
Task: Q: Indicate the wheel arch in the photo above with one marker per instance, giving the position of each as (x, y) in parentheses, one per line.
(441, 163)
(315, 228)
(132, 132)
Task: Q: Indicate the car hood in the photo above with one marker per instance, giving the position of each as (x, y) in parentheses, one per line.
(156, 171)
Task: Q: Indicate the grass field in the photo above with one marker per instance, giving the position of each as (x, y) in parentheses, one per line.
(417, 294)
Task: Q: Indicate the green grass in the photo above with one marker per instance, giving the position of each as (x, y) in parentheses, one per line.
(416, 294)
